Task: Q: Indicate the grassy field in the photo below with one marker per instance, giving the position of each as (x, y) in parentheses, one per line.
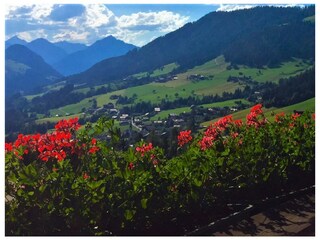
(164, 114)
(228, 103)
(87, 89)
(72, 108)
(55, 86)
(30, 97)
(164, 70)
(305, 105)
(158, 72)
(217, 73)
(56, 119)
(85, 103)
(16, 67)
(310, 19)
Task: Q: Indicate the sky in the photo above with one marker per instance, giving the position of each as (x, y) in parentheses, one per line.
(137, 24)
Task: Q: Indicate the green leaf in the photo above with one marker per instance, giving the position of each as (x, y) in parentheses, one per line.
(74, 185)
(225, 152)
(128, 214)
(20, 192)
(95, 184)
(197, 182)
(42, 188)
(30, 170)
(220, 161)
(12, 177)
(144, 203)
(31, 193)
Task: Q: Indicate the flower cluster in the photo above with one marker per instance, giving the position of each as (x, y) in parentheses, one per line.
(184, 137)
(206, 142)
(70, 125)
(8, 147)
(279, 117)
(213, 131)
(253, 116)
(144, 149)
(295, 116)
(56, 145)
(51, 146)
(94, 147)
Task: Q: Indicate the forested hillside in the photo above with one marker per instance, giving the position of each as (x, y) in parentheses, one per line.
(256, 37)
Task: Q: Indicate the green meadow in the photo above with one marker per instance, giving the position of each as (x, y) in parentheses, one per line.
(216, 73)
(308, 105)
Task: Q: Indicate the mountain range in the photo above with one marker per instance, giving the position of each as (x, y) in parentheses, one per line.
(33, 64)
(48, 51)
(84, 59)
(70, 58)
(257, 37)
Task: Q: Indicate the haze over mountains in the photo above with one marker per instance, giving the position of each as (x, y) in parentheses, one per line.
(70, 47)
(62, 58)
(82, 60)
(48, 51)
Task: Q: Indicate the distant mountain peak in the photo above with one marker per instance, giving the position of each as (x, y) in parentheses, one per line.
(111, 37)
(106, 39)
(41, 40)
(15, 40)
(47, 50)
(15, 37)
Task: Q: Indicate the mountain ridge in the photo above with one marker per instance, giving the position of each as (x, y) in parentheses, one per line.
(82, 60)
(70, 47)
(205, 39)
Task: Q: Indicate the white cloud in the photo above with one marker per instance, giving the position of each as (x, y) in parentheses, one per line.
(66, 35)
(163, 21)
(31, 35)
(129, 36)
(17, 11)
(97, 15)
(95, 22)
(232, 7)
(41, 12)
(25, 36)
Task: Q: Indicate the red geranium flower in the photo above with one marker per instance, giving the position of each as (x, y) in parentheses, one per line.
(206, 142)
(184, 137)
(131, 166)
(144, 149)
(85, 176)
(8, 147)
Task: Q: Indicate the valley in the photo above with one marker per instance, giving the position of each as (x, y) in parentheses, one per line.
(170, 84)
(216, 73)
(148, 120)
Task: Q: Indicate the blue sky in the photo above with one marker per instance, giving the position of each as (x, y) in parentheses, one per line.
(85, 23)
